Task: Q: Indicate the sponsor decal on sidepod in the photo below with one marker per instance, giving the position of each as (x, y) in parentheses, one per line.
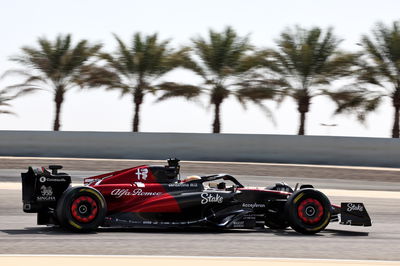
(206, 198)
(253, 205)
(135, 192)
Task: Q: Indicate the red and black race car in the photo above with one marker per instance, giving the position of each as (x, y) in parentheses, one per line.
(154, 196)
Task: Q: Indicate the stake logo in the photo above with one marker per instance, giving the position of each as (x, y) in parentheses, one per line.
(354, 207)
(206, 198)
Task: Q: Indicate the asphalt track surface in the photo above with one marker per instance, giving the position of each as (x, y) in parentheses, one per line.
(19, 233)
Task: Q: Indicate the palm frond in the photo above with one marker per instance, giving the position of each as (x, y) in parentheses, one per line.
(257, 96)
(222, 54)
(383, 51)
(308, 55)
(7, 95)
(358, 101)
(172, 89)
(7, 112)
(93, 76)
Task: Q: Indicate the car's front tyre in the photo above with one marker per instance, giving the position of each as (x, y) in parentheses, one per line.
(308, 211)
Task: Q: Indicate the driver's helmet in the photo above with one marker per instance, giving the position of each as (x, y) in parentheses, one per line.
(191, 178)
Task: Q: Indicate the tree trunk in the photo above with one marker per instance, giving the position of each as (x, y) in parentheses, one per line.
(395, 130)
(303, 108)
(396, 105)
(217, 119)
(218, 94)
(135, 125)
(302, 123)
(137, 101)
(58, 99)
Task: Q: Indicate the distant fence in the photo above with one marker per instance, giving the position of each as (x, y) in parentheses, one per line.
(204, 147)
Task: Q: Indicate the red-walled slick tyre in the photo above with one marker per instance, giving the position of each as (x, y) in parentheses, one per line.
(81, 209)
(308, 211)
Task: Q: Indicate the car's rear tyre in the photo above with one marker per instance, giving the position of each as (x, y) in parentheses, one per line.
(81, 209)
(308, 211)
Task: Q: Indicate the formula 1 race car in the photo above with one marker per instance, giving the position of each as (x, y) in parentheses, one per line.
(154, 196)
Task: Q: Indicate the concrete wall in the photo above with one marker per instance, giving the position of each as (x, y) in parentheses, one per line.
(209, 147)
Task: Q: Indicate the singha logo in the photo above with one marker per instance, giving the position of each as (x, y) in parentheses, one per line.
(47, 194)
(46, 191)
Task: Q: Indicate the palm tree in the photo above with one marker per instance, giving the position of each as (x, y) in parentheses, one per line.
(378, 74)
(225, 64)
(56, 66)
(306, 61)
(134, 69)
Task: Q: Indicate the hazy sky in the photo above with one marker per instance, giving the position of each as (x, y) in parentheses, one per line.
(22, 22)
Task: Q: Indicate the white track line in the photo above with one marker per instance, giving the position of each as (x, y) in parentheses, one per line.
(191, 257)
(210, 260)
(207, 162)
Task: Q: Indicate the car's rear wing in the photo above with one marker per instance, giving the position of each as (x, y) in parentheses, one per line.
(41, 189)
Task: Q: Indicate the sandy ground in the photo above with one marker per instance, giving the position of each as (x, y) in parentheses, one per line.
(174, 261)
